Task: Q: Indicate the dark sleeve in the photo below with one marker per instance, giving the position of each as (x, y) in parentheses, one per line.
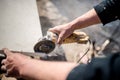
(108, 10)
(99, 69)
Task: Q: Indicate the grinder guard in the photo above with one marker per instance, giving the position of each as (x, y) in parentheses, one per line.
(45, 46)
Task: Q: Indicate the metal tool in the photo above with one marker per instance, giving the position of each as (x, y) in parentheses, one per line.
(48, 43)
(45, 44)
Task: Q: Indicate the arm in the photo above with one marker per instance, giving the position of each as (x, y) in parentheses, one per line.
(105, 12)
(45, 70)
(83, 21)
(18, 65)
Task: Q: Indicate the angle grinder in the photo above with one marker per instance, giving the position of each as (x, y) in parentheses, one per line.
(48, 43)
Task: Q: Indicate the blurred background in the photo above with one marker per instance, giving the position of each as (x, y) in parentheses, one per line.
(56, 12)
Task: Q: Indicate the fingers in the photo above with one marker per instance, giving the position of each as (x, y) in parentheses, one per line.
(60, 32)
(10, 72)
(60, 39)
(51, 29)
(3, 68)
(54, 30)
(3, 61)
(7, 51)
(3, 65)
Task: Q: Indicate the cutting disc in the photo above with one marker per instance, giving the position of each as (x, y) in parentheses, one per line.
(45, 46)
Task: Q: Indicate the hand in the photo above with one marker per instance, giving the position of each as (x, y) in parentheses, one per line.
(13, 63)
(63, 31)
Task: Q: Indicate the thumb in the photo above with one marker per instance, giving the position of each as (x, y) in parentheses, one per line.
(60, 39)
(54, 30)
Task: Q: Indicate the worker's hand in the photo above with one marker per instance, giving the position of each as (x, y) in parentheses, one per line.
(63, 31)
(13, 63)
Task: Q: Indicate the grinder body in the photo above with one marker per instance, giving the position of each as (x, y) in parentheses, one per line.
(48, 43)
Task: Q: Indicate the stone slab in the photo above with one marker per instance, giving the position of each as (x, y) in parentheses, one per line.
(19, 24)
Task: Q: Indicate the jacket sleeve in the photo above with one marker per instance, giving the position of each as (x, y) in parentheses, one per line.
(108, 10)
(98, 69)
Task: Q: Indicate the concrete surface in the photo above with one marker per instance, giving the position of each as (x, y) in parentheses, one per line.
(19, 24)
